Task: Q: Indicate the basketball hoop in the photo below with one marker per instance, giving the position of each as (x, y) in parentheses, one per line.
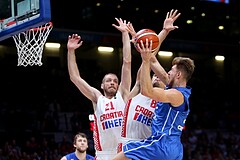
(30, 44)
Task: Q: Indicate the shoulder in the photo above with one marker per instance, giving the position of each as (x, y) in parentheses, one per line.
(174, 96)
(118, 93)
(89, 157)
(186, 91)
(68, 156)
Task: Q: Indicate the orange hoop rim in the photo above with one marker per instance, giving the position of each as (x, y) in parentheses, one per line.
(47, 25)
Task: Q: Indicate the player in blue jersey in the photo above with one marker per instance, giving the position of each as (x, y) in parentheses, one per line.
(170, 114)
(80, 143)
(139, 110)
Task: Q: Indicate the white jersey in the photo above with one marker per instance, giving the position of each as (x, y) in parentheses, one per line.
(137, 120)
(108, 124)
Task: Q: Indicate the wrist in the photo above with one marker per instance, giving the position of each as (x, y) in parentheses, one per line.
(165, 29)
(153, 59)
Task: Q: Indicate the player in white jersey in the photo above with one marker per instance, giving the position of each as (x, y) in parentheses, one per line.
(108, 107)
(138, 115)
(140, 109)
(108, 125)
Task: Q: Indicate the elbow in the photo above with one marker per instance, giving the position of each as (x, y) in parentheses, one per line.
(73, 78)
(127, 57)
(127, 61)
(143, 93)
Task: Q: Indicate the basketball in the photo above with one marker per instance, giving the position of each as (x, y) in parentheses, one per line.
(149, 34)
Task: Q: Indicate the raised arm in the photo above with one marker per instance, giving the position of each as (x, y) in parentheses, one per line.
(126, 80)
(155, 65)
(167, 27)
(145, 78)
(136, 88)
(172, 96)
(168, 24)
(91, 93)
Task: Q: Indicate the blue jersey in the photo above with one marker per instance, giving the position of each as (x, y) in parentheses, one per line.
(165, 141)
(72, 156)
(171, 120)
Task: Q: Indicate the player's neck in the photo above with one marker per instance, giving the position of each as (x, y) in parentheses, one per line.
(81, 156)
(110, 96)
(179, 83)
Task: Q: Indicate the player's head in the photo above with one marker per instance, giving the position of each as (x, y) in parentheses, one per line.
(181, 71)
(80, 142)
(156, 82)
(110, 84)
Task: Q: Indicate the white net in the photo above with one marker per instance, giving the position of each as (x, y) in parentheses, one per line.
(30, 45)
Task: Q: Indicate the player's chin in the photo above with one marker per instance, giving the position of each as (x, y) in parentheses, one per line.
(112, 90)
(82, 149)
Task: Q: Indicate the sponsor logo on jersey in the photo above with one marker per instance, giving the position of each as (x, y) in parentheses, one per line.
(143, 115)
(111, 120)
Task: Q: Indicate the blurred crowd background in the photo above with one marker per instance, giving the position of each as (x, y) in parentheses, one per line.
(41, 110)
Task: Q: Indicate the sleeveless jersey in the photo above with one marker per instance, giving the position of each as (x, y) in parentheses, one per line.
(107, 126)
(167, 126)
(72, 156)
(169, 119)
(137, 121)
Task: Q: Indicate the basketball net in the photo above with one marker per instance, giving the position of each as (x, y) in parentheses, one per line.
(30, 44)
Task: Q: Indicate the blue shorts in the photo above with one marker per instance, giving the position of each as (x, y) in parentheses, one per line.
(160, 147)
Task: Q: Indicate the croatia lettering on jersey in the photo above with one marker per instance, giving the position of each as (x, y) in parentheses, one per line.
(137, 121)
(138, 115)
(110, 120)
(144, 115)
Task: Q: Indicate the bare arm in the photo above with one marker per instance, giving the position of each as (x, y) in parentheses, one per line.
(157, 67)
(136, 88)
(126, 80)
(172, 96)
(91, 93)
(167, 27)
(168, 24)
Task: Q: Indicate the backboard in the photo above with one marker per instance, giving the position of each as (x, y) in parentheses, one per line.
(20, 15)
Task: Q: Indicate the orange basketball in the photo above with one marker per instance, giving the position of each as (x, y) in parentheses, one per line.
(149, 34)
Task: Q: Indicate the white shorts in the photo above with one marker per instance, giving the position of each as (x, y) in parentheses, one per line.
(105, 155)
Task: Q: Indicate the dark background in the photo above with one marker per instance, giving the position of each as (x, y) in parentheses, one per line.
(41, 101)
(87, 16)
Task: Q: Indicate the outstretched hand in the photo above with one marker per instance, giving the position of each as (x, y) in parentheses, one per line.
(170, 18)
(122, 25)
(132, 32)
(74, 42)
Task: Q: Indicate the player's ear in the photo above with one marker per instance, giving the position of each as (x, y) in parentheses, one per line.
(179, 74)
(101, 85)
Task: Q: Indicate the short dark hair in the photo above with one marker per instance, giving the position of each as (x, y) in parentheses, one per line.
(104, 78)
